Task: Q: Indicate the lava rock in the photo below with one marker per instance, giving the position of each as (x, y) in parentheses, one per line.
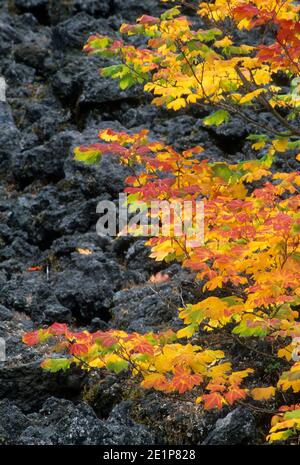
(74, 32)
(123, 430)
(43, 162)
(144, 308)
(18, 73)
(28, 386)
(238, 427)
(34, 55)
(29, 4)
(93, 7)
(60, 422)
(134, 8)
(9, 136)
(5, 313)
(13, 422)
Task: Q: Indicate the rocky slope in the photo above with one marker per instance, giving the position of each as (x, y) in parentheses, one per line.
(56, 100)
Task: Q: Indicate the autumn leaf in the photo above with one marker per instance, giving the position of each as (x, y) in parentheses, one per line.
(84, 251)
(154, 380)
(280, 144)
(263, 393)
(159, 277)
(116, 363)
(34, 268)
(235, 393)
(56, 364)
(146, 19)
(213, 400)
(217, 118)
(184, 381)
(31, 338)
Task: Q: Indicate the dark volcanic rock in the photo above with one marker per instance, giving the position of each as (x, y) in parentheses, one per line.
(30, 4)
(147, 307)
(53, 266)
(18, 73)
(59, 12)
(60, 422)
(122, 430)
(9, 136)
(13, 422)
(134, 8)
(28, 386)
(238, 427)
(5, 313)
(43, 162)
(74, 32)
(93, 7)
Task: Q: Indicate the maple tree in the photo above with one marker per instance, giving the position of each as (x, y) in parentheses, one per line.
(251, 249)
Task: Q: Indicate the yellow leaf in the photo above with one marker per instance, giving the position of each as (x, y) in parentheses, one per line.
(262, 77)
(280, 436)
(250, 96)
(84, 251)
(259, 145)
(263, 393)
(177, 104)
(244, 24)
(97, 363)
(156, 380)
(286, 352)
(226, 42)
(280, 144)
(188, 331)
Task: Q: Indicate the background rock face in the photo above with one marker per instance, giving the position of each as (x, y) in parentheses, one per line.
(56, 100)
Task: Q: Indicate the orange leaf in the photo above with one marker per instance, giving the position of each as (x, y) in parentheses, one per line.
(234, 394)
(34, 268)
(184, 381)
(31, 338)
(263, 393)
(213, 400)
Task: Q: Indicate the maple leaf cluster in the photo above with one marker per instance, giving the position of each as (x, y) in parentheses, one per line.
(251, 249)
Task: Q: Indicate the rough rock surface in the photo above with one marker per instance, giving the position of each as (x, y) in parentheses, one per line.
(238, 427)
(55, 101)
(61, 422)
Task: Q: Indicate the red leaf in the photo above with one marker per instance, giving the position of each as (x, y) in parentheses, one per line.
(145, 19)
(106, 338)
(34, 268)
(79, 349)
(56, 329)
(31, 338)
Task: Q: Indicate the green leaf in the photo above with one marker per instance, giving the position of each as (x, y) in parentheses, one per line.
(208, 35)
(232, 300)
(117, 366)
(88, 156)
(171, 13)
(126, 81)
(110, 71)
(101, 43)
(217, 118)
(257, 137)
(56, 364)
(246, 331)
(222, 170)
(291, 415)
